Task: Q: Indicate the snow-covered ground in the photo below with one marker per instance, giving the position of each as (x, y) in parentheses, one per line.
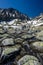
(12, 22)
(38, 24)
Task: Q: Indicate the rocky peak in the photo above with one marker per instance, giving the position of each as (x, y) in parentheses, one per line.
(39, 17)
(10, 13)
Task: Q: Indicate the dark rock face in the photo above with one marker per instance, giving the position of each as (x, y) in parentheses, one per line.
(10, 13)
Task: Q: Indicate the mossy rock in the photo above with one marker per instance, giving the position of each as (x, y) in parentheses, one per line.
(40, 35)
(11, 49)
(1, 30)
(28, 60)
(37, 46)
(11, 30)
(18, 40)
(25, 36)
(8, 41)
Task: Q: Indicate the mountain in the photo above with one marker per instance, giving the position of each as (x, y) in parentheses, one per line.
(38, 20)
(10, 14)
(39, 17)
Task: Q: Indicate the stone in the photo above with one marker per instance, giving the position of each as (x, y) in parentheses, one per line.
(28, 60)
(18, 40)
(37, 46)
(40, 35)
(7, 41)
(11, 49)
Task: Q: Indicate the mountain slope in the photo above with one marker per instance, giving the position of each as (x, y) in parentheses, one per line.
(10, 13)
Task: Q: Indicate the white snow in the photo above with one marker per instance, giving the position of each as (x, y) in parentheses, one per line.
(18, 27)
(34, 22)
(29, 22)
(12, 22)
(38, 24)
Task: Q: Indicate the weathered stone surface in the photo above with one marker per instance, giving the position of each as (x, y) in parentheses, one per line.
(11, 30)
(18, 40)
(28, 60)
(1, 31)
(40, 35)
(8, 50)
(8, 41)
(26, 36)
(37, 46)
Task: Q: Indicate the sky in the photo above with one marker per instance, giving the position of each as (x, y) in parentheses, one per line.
(30, 7)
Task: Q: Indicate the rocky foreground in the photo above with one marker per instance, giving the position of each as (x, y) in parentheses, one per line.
(21, 41)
